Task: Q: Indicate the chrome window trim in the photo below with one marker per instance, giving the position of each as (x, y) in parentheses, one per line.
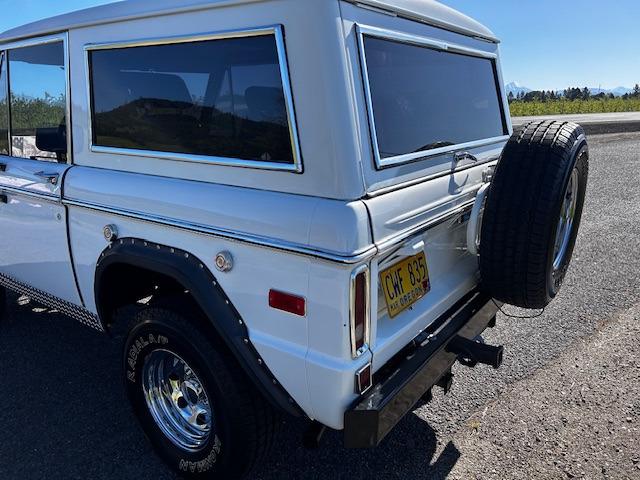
(385, 34)
(278, 33)
(4, 62)
(34, 42)
(357, 353)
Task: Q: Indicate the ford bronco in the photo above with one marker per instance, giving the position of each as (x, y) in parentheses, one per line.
(298, 207)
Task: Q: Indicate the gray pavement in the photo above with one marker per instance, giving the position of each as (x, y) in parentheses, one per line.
(64, 414)
(593, 123)
(585, 118)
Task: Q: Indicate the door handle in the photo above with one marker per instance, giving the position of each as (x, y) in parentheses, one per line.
(4, 198)
(462, 156)
(3, 167)
(51, 178)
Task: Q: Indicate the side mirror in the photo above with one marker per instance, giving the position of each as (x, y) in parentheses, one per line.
(52, 140)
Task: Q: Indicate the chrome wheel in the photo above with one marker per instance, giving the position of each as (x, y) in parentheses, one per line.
(565, 224)
(177, 400)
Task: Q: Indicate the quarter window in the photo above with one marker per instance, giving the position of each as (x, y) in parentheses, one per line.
(37, 80)
(214, 98)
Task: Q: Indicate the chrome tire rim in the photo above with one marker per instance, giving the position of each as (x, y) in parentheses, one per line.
(177, 400)
(565, 224)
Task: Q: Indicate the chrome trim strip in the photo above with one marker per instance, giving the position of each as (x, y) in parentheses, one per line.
(30, 193)
(423, 41)
(275, 244)
(392, 242)
(385, 8)
(361, 31)
(278, 33)
(72, 310)
(357, 353)
(416, 181)
(363, 255)
(4, 60)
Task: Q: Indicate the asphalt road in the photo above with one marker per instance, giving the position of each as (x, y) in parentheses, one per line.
(64, 415)
(593, 123)
(616, 117)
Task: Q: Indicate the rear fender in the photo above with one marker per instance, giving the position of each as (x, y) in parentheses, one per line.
(196, 278)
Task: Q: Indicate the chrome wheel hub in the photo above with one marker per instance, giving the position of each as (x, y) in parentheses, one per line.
(565, 224)
(177, 400)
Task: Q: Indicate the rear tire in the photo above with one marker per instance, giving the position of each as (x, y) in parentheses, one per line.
(533, 212)
(211, 423)
(3, 302)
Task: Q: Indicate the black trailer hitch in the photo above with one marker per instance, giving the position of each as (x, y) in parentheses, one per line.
(472, 352)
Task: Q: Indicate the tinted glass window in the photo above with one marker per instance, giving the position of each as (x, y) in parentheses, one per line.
(4, 119)
(37, 80)
(220, 98)
(425, 99)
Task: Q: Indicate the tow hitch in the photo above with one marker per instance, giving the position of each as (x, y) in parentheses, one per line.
(472, 352)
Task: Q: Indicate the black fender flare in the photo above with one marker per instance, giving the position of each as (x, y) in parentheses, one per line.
(194, 275)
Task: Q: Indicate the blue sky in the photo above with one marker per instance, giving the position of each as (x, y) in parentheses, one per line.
(552, 44)
(546, 44)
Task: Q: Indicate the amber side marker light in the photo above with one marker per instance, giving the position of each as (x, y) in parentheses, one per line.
(287, 302)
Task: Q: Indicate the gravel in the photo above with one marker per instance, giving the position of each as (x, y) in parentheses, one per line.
(540, 415)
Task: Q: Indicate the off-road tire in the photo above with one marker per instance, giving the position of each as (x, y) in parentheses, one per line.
(244, 424)
(3, 302)
(522, 211)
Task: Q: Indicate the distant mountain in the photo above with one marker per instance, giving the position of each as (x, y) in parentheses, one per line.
(516, 88)
(619, 91)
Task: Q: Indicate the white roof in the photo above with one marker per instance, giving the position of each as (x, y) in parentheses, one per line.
(428, 11)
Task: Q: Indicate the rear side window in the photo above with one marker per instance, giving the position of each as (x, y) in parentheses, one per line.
(4, 113)
(425, 100)
(215, 98)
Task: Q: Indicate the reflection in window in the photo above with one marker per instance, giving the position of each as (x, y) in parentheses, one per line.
(4, 112)
(221, 98)
(424, 99)
(37, 80)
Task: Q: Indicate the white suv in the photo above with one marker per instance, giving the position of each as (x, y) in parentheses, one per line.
(289, 206)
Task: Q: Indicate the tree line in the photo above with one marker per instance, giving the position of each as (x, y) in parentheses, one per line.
(570, 94)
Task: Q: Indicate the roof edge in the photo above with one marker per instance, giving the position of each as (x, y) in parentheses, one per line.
(135, 11)
(479, 31)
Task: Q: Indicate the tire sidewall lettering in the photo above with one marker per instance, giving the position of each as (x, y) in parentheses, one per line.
(204, 465)
(141, 343)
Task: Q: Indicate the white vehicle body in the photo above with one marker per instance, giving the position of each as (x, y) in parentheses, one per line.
(302, 228)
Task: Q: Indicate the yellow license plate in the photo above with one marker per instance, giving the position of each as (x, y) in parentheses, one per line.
(405, 283)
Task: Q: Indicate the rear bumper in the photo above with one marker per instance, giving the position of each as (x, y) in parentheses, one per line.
(409, 375)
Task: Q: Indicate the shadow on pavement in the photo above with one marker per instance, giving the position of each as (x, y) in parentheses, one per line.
(65, 416)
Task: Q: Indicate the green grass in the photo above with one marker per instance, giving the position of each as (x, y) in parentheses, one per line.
(520, 108)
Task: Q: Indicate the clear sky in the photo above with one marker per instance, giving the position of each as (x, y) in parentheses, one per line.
(552, 44)
(546, 44)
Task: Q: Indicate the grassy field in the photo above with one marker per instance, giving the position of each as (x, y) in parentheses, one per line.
(520, 108)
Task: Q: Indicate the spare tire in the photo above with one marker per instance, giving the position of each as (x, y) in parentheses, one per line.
(532, 213)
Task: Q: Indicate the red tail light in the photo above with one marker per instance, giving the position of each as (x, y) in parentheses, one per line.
(359, 311)
(287, 302)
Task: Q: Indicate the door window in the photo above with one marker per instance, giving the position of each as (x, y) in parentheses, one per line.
(37, 84)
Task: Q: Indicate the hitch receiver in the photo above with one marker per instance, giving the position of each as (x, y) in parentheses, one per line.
(471, 352)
